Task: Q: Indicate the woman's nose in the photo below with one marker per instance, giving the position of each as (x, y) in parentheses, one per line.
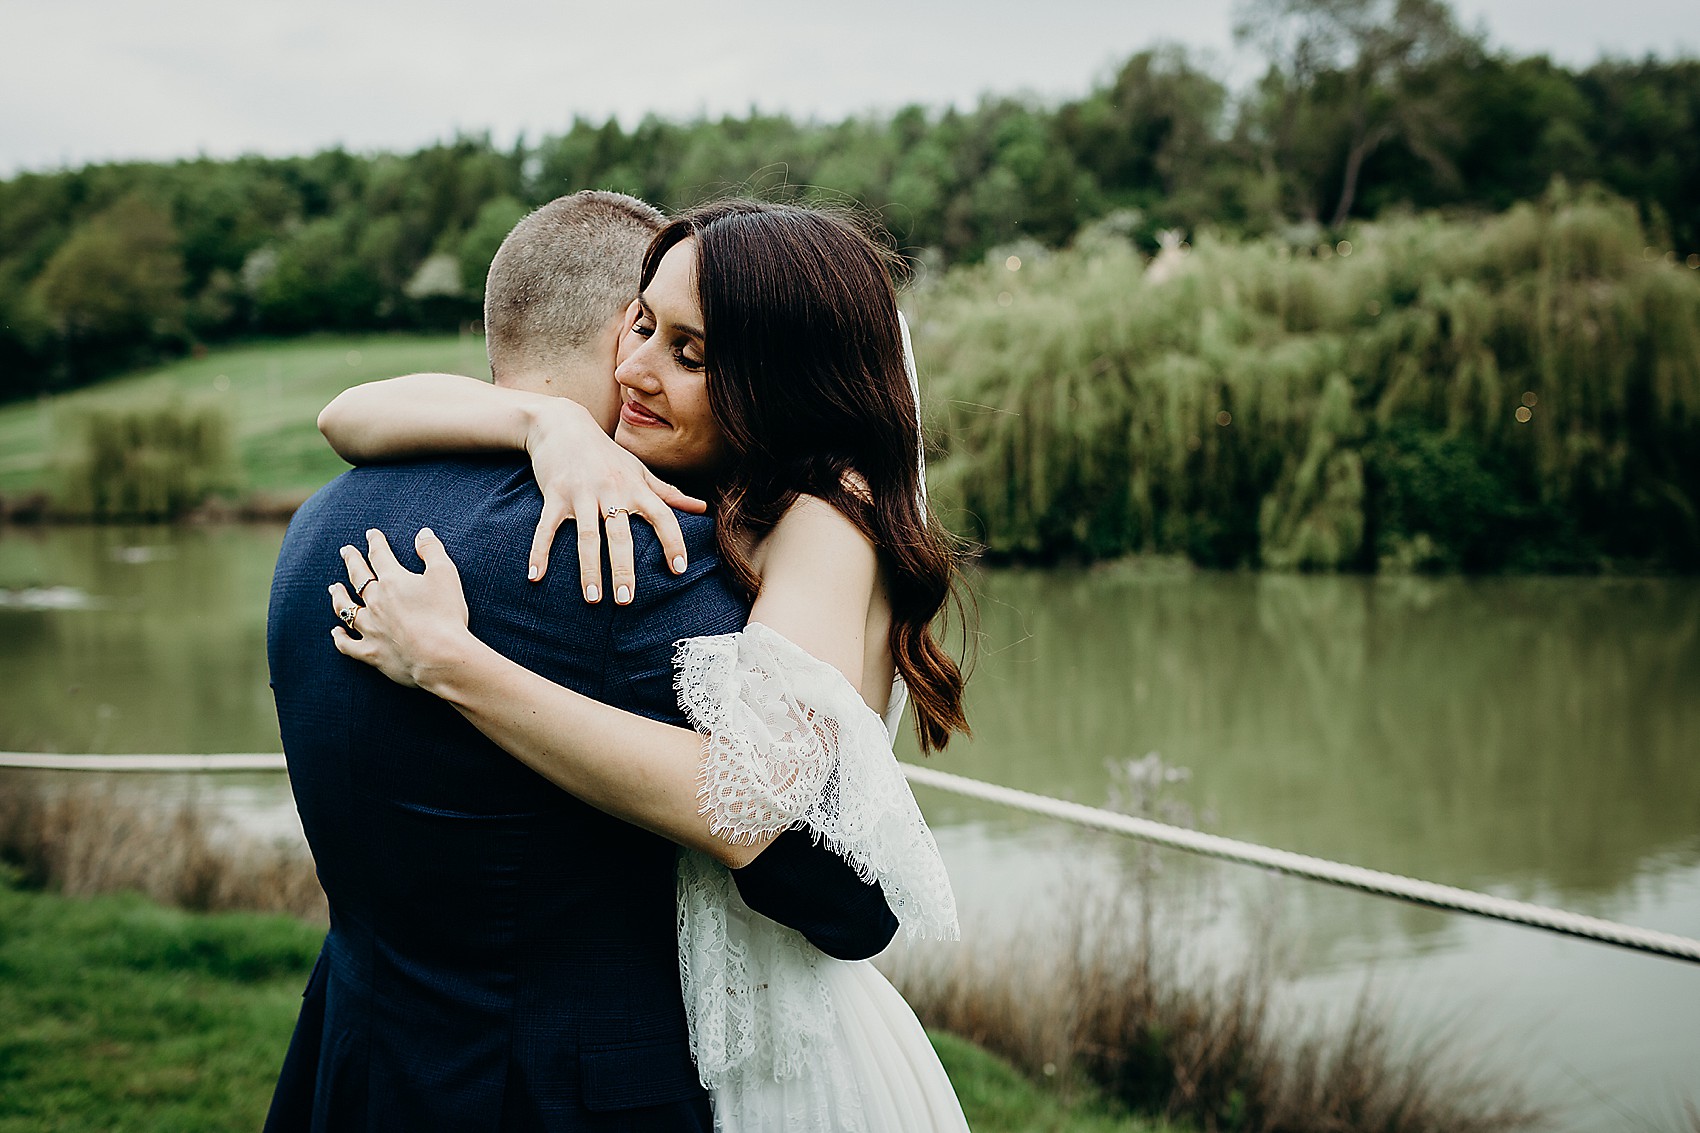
(635, 371)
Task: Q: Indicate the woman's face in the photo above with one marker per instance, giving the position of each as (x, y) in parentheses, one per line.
(665, 419)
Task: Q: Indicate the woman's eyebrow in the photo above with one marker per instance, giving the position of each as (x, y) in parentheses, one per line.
(682, 328)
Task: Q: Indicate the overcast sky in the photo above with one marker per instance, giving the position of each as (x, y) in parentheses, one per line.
(87, 80)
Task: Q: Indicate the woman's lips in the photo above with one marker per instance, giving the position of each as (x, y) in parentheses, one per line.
(634, 414)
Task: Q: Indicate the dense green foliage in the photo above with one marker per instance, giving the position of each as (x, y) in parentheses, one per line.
(1366, 105)
(1520, 393)
(121, 1014)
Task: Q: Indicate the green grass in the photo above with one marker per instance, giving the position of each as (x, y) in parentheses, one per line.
(997, 1097)
(272, 391)
(121, 1014)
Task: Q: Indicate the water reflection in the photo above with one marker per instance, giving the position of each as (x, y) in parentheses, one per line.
(165, 653)
(1534, 736)
(1530, 737)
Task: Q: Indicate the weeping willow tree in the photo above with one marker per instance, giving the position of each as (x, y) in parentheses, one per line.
(1520, 392)
(143, 462)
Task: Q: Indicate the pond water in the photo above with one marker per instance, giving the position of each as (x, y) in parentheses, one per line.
(1533, 738)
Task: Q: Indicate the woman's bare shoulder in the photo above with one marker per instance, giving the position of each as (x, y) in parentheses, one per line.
(820, 526)
(818, 575)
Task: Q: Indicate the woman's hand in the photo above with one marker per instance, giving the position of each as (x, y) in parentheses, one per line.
(412, 627)
(588, 478)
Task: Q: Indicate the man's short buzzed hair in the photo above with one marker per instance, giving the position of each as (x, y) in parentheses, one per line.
(562, 274)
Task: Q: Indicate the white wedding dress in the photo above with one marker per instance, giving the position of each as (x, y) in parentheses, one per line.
(788, 1039)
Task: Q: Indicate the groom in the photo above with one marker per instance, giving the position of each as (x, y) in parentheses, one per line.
(502, 956)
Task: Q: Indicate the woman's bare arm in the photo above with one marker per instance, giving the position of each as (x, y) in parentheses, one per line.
(819, 574)
(580, 470)
(426, 414)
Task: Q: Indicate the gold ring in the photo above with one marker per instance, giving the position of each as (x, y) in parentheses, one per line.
(347, 615)
(359, 591)
(613, 511)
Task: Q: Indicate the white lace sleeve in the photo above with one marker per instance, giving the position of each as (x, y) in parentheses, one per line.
(788, 742)
(792, 743)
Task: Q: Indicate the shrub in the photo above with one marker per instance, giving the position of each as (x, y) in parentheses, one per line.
(144, 462)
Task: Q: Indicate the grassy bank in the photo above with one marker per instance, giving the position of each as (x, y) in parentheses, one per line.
(124, 1011)
(123, 1014)
(1107, 1013)
(270, 392)
(1520, 392)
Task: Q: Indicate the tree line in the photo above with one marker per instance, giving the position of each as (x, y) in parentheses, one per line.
(1518, 393)
(1366, 107)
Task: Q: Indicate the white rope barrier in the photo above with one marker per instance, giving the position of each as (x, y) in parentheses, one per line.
(1092, 818)
(1315, 869)
(247, 761)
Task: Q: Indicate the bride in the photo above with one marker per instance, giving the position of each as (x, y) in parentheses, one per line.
(764, 366)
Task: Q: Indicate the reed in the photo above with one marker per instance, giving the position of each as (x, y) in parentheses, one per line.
(86, 839)
(1113, 1001)
(144, 462)
(1515, 392)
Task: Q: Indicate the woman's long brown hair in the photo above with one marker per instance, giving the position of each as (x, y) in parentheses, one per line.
(805, 376)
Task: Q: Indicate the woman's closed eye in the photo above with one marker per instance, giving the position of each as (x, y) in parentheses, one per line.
(644, 327)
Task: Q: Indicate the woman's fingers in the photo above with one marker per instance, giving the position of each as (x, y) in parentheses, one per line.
(359, 573)
(350, 646)
(666, 525)
(675, 497)
(342, 603)
(589, 522)
(555, 513)
(383, 559)
(655, 504)
(356, 566)
(618, 522)
(435, 556)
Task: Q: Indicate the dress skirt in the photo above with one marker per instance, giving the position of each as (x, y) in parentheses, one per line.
(901, 1086)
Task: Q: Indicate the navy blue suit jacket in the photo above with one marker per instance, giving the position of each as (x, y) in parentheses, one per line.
(501, 955)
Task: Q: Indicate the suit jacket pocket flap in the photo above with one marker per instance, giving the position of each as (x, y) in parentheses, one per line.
(639, 1074)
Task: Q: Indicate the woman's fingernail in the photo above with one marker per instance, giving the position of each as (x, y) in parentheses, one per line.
(427, 532)
(591, 593)
(533, 573)
(623, 595)
(678, 564)
(331, 589)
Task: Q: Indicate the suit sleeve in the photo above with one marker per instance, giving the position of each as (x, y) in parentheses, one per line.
(811, 889)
